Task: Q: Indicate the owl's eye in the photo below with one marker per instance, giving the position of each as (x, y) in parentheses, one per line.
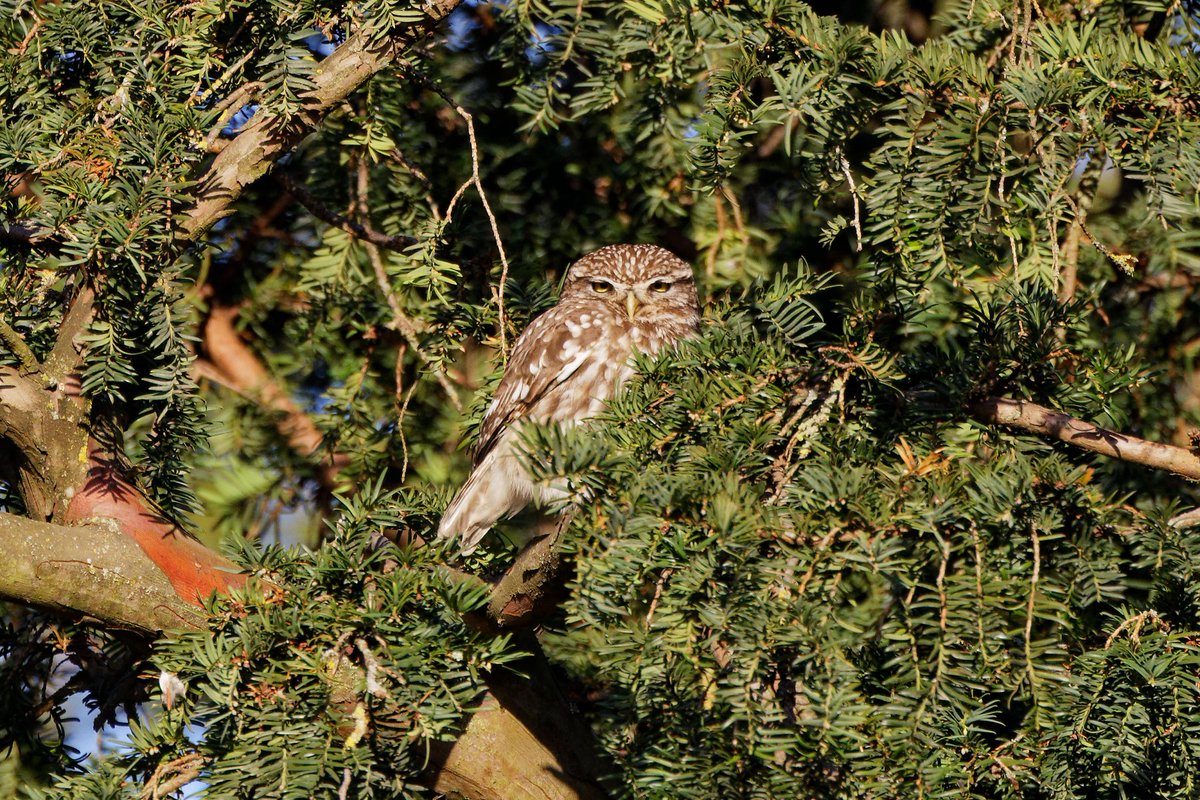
(601, 287)
(660, 286)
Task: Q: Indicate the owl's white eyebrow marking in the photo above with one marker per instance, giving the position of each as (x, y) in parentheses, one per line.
(677, 275)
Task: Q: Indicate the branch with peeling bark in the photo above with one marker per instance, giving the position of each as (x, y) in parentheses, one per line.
(266, 138)
(1027, 416)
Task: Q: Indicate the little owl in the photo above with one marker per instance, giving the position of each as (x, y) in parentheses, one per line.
(568, 362)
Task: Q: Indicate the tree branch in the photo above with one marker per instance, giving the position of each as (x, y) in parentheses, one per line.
(16, 345)
(66, 359)
(1031, 417)
(92, 571)
(194, 571)
(46, 429)
(531, 587)
(250, 154)
(546, 751)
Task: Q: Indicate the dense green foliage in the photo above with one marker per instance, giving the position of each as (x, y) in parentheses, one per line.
(358, 664)
(801, 568)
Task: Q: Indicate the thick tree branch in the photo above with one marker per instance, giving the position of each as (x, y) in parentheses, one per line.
(66, 359)
(194, 571)
(46, 430)
(1031, 417)
(532, 586)
(523, 744)
(250, 154)
(92, 571)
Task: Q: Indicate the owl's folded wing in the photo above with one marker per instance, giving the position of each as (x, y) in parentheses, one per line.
(545, 355)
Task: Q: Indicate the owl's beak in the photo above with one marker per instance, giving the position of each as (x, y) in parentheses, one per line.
(630, 304)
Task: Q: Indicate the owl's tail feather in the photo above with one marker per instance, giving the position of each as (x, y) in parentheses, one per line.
(496, 489)
(455, 525)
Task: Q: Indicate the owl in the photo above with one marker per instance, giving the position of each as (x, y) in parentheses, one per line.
(564, 367)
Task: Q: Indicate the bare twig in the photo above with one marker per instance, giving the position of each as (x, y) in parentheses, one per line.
(477, 182)
(1070, 256)
(858, 234)
(1031, 417)
(32, 32)
(355, 229)
(1080, 202)
(659, 585)
(1030, 606)
(183, 770)
(228, 108)
(1134, 625)
(412, 169)
(401, 322)
(200, 98)
(401, 413)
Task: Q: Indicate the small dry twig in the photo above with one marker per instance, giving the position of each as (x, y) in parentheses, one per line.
(401, 322)
(858, 234)
(477, 182)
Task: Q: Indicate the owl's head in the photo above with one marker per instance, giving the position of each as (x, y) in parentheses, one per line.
(641, 282)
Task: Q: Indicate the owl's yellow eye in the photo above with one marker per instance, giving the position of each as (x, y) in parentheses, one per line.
(601, 287)
(660, 286)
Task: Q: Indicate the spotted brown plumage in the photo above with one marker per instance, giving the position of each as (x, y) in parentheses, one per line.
(564, 367)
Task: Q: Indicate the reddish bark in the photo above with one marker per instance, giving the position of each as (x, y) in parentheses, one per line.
(195, 571)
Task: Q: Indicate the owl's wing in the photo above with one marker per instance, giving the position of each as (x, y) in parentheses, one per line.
(544, 356)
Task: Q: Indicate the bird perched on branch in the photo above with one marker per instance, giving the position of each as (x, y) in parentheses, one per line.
(566, 365)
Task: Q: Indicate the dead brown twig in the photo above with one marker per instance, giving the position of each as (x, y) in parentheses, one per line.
(476, 181)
